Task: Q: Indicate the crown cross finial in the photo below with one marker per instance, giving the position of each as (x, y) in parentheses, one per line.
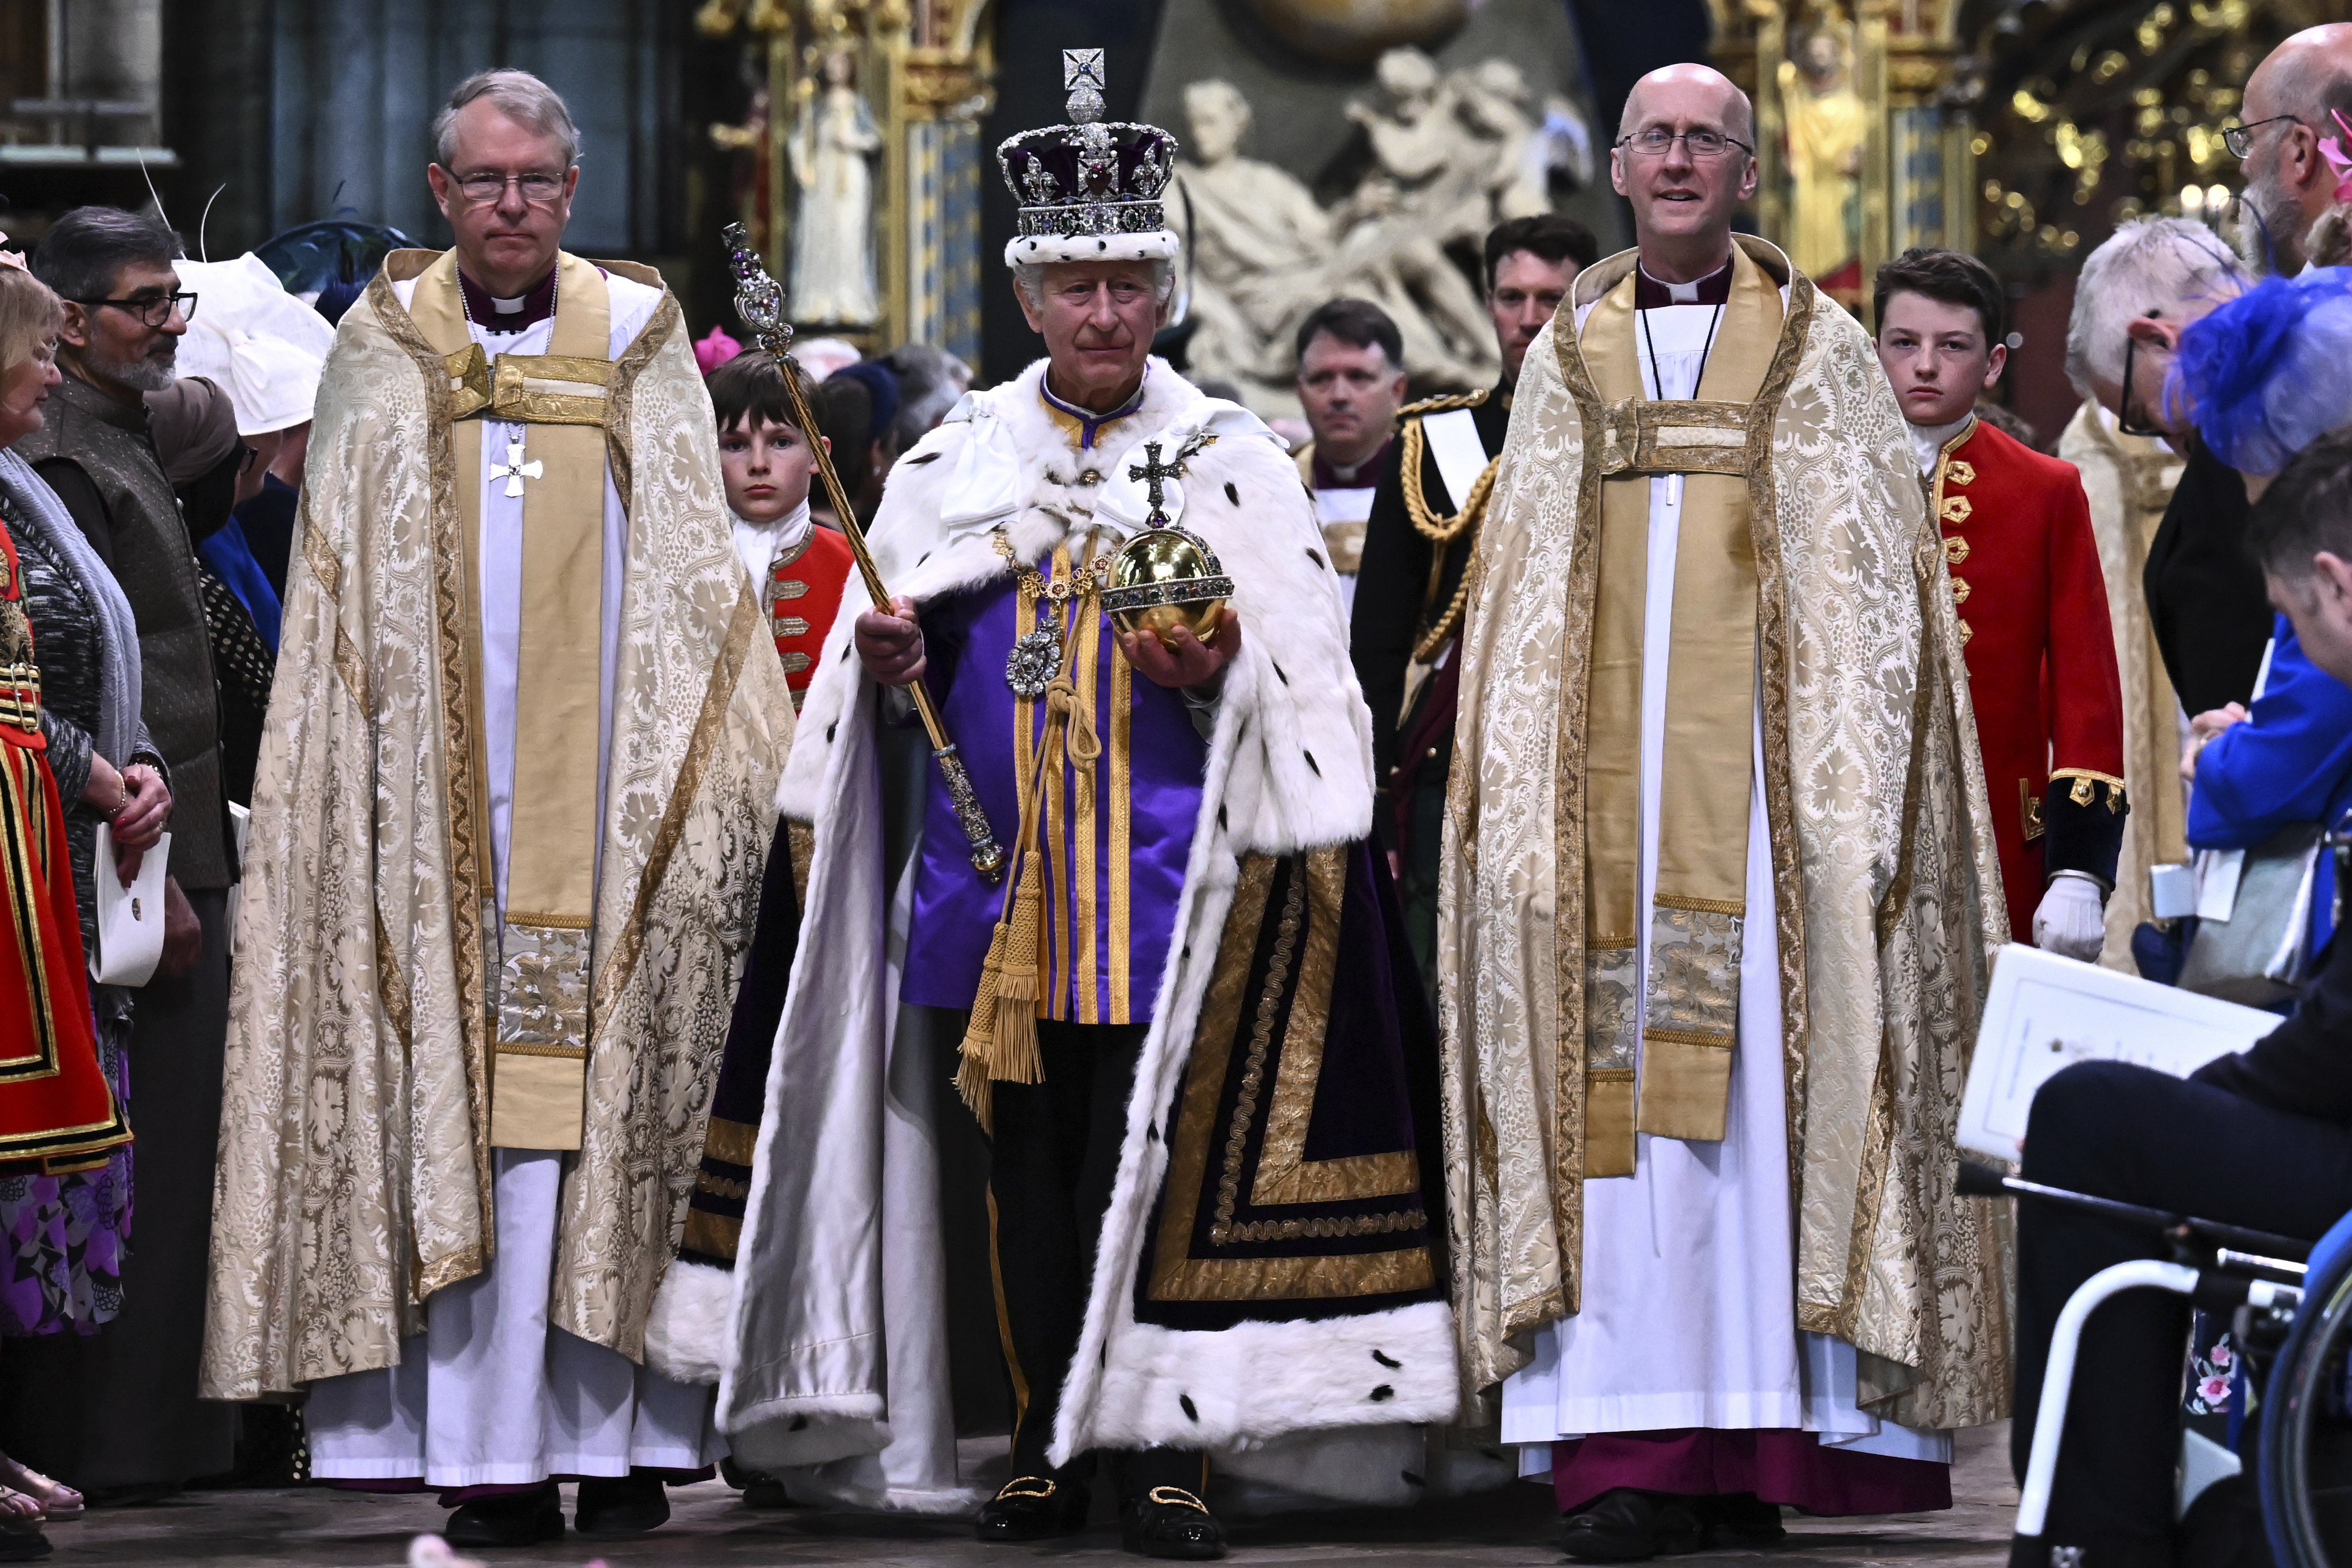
(1082, 79)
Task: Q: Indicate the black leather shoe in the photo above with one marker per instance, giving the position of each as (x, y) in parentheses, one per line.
(1168, 1522)
(620, 1505)
(1740, 1518)
(515, 1519)
(1032, 1508)
(1629, 1526)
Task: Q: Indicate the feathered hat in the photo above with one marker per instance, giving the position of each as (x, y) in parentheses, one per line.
(2267, 373)
(1090, 191)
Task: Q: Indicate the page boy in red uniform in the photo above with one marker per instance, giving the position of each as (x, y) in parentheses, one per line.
(2031, 601)
(765, 457)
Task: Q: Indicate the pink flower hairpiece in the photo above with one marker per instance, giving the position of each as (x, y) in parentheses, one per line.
(11, 258)
(2338, 151)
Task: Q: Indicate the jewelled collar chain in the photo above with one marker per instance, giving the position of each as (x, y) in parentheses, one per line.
(1036, 656)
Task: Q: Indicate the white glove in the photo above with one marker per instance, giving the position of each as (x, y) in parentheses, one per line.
(2072, 920)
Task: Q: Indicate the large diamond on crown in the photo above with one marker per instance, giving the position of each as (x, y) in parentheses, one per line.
(1091, 177)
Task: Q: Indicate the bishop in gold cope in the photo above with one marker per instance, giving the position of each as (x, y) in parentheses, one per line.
(1719, 892)
(507, 841)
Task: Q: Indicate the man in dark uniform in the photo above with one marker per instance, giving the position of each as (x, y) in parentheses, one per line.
(1417, 546)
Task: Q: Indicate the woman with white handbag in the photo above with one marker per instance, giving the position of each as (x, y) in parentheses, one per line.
(65, 1202)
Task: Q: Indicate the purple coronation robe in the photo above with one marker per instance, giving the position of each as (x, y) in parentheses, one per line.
(1117, 836)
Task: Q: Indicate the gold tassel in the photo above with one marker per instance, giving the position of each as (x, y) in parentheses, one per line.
(1018, 988)
(999, 1042)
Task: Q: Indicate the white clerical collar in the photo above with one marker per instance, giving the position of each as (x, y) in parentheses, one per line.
(1650, 292)
(1928, 442)
(509, 307)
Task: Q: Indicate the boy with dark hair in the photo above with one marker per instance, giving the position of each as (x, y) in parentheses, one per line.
(1350, 384)
(798, 567)
(2031, 601)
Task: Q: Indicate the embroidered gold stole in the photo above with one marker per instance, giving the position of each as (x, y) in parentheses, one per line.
(1692, 998)
(539, 1002)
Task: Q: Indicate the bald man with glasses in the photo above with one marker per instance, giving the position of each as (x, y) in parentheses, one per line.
(2289, 111)
(1711, 696)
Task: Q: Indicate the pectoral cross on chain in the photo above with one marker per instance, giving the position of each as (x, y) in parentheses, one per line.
(1155, 475)
(514, 470)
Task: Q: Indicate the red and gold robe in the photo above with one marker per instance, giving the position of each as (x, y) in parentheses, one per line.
(2042, 660)
(56, 1107)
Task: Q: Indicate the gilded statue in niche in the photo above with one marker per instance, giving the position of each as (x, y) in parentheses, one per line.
(1827, 125)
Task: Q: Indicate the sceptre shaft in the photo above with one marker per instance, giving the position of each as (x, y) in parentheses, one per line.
(760, 301)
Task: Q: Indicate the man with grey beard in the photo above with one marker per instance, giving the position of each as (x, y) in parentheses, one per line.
(2288, 112)
(118, 1413)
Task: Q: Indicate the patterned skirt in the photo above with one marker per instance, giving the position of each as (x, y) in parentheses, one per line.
(66, 1235)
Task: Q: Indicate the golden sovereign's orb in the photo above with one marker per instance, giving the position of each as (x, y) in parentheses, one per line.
(1354, 32)
(1165, 578)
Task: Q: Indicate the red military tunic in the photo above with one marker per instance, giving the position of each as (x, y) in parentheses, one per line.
(2042, 660)
(803, 594)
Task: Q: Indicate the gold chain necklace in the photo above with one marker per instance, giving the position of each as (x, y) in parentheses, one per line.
(1036, 656)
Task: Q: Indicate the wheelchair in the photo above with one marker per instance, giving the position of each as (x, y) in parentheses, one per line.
(2291, 1303)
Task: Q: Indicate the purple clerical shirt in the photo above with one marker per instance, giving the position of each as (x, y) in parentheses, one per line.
(1117, 834)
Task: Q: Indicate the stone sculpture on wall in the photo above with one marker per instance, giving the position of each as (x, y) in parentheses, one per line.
(1450, 155)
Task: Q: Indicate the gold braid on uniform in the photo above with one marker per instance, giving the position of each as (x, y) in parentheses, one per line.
(1440, 530)
(1443, 627)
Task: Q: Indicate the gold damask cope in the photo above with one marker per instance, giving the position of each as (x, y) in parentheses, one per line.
(1294, 1180)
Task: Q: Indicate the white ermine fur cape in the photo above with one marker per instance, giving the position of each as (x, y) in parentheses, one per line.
(834, 1352)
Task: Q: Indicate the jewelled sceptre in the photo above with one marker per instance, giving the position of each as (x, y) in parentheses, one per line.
(759, 300)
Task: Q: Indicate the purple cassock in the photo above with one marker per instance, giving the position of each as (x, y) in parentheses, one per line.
(1116, 834)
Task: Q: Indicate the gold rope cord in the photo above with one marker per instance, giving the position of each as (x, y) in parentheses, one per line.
(1440, 531)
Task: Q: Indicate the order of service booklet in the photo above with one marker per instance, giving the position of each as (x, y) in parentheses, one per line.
(2042, 1013)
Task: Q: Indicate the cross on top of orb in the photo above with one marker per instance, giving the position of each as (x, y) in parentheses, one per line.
(1155, 475)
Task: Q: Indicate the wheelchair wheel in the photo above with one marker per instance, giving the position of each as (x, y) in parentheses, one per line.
(2303, 1471)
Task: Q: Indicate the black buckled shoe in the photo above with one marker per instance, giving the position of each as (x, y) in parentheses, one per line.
(1629, 1526)
(1168, 1522)
(514, 1518)
(620, 1505)
(1032, 1508)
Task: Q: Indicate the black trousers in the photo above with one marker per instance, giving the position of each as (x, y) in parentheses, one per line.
(1051, 1165)
(2189, 1148)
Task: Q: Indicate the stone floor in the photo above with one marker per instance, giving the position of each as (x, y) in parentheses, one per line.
(321, 1526)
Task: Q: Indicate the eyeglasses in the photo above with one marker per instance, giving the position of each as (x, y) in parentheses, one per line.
(484, 189)
(154, 311)
(1653, 142)
(2123, 401)
(2240, 139)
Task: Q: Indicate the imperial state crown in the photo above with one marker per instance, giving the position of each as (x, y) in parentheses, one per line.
(1090, 191)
